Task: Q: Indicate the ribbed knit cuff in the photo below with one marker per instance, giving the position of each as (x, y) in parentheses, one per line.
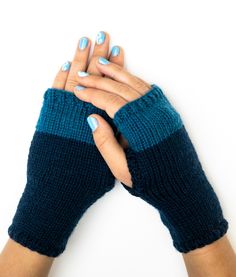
(148, 120)
(65, 115)
(34, 243)
(209, 237)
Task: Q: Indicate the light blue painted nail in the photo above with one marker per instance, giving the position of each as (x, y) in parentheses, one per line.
(79, 88)
(115, 51)
(65, 66)
(101, 36)
(83, 43)
(83, 74)
(102, 60)
(92, 122)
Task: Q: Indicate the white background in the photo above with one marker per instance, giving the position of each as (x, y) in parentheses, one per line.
(188, 48)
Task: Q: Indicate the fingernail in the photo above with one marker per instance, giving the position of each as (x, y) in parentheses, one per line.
(102, 60)
(65, 66)
(83, 43)
(101, 36)
(92, 122)
(79, 88)
(115, 51)
(83, 74)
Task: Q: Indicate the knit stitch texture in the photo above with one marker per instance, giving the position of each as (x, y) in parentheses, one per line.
(166, 171)
(65, 175)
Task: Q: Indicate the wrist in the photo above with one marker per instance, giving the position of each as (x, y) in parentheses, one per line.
(17, 260)
(216, 259)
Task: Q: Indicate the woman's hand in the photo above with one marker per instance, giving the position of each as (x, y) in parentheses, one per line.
(110, 93)
(68, 79)
(165, 169)
(60, 135)
(67, 76)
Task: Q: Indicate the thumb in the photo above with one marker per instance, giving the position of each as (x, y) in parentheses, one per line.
(110, 149)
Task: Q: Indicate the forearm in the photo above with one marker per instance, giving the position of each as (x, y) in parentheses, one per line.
(215, 260)
(16, 260)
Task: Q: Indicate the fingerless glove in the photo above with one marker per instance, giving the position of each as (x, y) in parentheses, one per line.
(65, 175)
(166, 171)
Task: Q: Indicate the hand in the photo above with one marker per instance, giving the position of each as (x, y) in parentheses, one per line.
(65, 173)
(160, 163)
(111, 93)
(67, 77)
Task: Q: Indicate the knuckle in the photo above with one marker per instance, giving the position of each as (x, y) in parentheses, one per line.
(126, 91)
(118, 68)
(141, 85)
(122, 88)
(114, 99)
(70, 85)
(59, 83)
(77, 64)
(95, 57)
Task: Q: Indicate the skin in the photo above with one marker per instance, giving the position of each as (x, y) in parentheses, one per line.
(16, 260)
(215, 260)
(109, 87)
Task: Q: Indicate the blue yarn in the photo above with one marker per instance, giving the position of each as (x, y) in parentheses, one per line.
(63, 114)
(166, 172)
(172, 180)
(65, 175)
(148, 120)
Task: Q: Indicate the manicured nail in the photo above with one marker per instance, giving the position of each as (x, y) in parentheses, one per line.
(101, 36)
(83, 43)
(79, 88)
(65, 66)
(115, 51)
(83, 74)
(92, 122)
(102, 60)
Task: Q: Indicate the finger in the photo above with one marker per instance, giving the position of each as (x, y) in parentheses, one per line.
(106, 143)
(106, 101)
(117, 56)
(101, 48)
(119, 74)
(107, 84)
(79, 62)
(61, 77)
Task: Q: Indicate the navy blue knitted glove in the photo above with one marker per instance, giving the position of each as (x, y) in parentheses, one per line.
(166, 171)
(65, 175)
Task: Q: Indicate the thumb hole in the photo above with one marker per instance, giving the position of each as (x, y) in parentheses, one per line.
(110, 149)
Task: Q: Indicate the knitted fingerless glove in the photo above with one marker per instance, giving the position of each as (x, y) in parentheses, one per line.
(166, 171)
(65, 175)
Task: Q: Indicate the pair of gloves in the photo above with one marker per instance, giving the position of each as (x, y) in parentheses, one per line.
(66, 173)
